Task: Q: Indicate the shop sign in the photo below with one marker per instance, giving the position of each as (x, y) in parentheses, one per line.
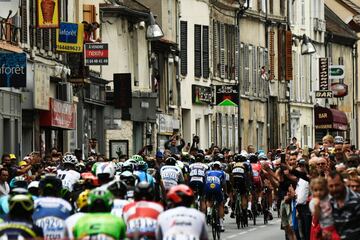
(323, 94)
(323, 74)
(47, 13)
(339, 89)
(337, 72)
(227, 95)
(61, 114)
(41, 86)
(12, 70)
(96, 54)
(201, 94)
(70, 37)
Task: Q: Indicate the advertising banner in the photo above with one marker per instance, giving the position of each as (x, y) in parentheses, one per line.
(96, 54)
(201, 94)
(69, 37)
(61, 114)
(12, 70)
(47, 13)
(227, 95)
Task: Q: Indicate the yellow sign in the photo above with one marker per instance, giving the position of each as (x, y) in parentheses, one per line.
(70, 37)
(47, 13)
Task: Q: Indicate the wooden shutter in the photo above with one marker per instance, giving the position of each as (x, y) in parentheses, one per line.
(272, 55)
(183, 48)
(24, 22)
(222, 50)
(288, 56)
(89, 13)
(205, 49)
(236, 47)
(197, 48)
(46, 39)
(215, 49)
(281, 61)
(254, 71)
(260, 63)
(246, 69)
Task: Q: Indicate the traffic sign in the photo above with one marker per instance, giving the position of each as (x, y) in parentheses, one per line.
(337, 72)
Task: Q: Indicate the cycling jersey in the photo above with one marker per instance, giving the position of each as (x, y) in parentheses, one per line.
(181, 223)
(198, 171)
(213, 186)
(70, 223)
(50, 214)
(171, 176)
(99, 226)
(141, 218)
(19, 230)
(68, 178)
(144, 176)
(118, 206)
(239, 177)
(256, 169)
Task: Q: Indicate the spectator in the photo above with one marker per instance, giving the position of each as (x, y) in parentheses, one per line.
(328, 141)
(338, 143)
(171, 144)
(4, 186)
(354, 183)
(346, 207)
(322, 166)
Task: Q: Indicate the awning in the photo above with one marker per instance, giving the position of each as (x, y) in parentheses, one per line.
(328, 118)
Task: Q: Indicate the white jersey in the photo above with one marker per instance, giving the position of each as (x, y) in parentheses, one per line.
(117, 209)
(197, 171)
(71, 221)
(181, 223)
(171, 176)
(68, 178)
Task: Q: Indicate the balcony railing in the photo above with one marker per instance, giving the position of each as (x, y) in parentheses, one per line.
(9, 33)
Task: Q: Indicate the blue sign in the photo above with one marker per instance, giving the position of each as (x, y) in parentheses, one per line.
(68, 32)
(13, 70)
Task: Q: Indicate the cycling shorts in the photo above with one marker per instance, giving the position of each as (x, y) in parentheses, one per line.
(214, 194)
(197, 186)
(239, 184)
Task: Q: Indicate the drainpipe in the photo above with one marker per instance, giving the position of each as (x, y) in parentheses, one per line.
(355, 93)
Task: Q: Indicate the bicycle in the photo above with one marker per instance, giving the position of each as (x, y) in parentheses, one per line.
(265, 205)
(239, 216)
(215, 221)
(254, 210)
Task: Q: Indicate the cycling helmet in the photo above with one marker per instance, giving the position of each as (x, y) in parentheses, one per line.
(128, 165)
(180, 195)
(142, 166)
(18, 182)
(50, 185)
(262, 156)
(216, 163)
(105, 169)
(180, 164)
(33, 184)
(170, 161)
(82, 200)
(137, 158)
(207, 158)
(50, 170)
(252, 158)
(100, 200)
(128, 178)
(219, 157)
(80, 167)
(20, 204)
(117, 187)
(70, 159)
(144, 191)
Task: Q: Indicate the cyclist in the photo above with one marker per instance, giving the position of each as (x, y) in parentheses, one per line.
(119, 189)
(130, 179)
(142, 174)
(105, 172)
(171, 174)
(18, 224)
(141, 215)
(69, 176)
(50, 210)
(215, 186)
(197, 178)
(181, 221)
(99, 223)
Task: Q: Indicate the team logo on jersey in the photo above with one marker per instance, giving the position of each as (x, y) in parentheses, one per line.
(212, 185)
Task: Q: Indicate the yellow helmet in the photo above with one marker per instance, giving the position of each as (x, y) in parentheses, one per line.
(81, 202)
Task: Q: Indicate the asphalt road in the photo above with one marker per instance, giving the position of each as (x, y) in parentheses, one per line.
(270, 231)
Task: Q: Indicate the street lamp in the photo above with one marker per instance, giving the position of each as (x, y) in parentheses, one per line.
(307, 47)
(154, 31)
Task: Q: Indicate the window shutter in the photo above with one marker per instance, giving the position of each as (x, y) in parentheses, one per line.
(183, 47)
(242, 68)
(197, 53)
(89, 13)
(24, 22)
(254, 71)
(260, 64)
(46, 39)
(38, 38)
(215, 49)
(222, 50)
(53, 39)
(272, 55)
(205, 51)
(266, 64)
(271, 6)
(246, 69)
(288, 55)
(32, 22)
(281, 61)
(236, 47)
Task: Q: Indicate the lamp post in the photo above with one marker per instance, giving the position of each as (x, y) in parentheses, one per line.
(154, 31)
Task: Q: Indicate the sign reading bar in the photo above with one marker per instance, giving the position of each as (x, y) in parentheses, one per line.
(337, 72)
(323, 94)
(227, 95)
(323, 74)
(12, 70)
(201, 94)
(96, 54)
(48, 13)
(70, 37)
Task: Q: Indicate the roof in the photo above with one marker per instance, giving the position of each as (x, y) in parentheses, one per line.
(351, 5)
(135, 5)
(336, 27)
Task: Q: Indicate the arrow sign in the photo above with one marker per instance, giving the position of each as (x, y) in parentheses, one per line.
(227, 103)
(337, 72)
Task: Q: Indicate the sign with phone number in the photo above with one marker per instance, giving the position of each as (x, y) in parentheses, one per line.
(70, 37)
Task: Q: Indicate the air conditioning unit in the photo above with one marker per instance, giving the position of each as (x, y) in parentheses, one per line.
(64, 91)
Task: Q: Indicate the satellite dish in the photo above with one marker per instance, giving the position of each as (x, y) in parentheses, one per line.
(8, 8)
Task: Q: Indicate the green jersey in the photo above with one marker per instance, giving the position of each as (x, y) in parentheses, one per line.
(99, 226)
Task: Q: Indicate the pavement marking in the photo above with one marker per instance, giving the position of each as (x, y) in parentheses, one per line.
(253, 229)
(231, 236)
(262, 226)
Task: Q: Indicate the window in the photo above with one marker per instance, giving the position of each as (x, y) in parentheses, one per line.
(24, 22)
(222, 50)
(306, 135)
(183, 48)
(262, 6)
(271, 6)
(251, 67)
(197, 47)
(89, 15)
(303, 12)
(216, 56)
(246, 76)
(170, 14)
(254, 70)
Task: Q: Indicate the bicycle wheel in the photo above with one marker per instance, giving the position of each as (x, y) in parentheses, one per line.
(254, 213)
(238, 213)
(213, 223)
(265, 210)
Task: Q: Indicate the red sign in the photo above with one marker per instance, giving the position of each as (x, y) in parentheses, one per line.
(339, 89)
(61, 115)
(96, 54)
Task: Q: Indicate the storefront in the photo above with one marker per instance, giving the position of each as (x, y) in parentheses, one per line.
(53, 124)
(330, 121)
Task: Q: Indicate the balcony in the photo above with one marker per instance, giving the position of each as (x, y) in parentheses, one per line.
(9, 33)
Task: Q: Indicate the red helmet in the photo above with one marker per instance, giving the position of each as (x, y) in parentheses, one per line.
(180, 195)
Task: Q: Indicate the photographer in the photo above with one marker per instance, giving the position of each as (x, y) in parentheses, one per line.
(171, 144)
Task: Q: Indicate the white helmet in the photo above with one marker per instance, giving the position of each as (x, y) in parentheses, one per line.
(106, 167)
(71, 159)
